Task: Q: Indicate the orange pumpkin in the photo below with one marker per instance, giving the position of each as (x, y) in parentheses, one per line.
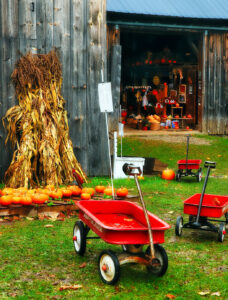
(16, 198)
(75, 189)
(50, 187)
(88, 190)
(26, 200)
(67, 193)
(39, 198)
(22, 189)
(168, 174)
(108, 191)
(6, 200)
(56, 194)
(100, 189)
(85, 196)
(122, 192)
(7, 191)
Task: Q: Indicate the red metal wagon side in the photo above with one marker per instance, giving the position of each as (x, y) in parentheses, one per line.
(213, 206)
(121, 222)
(190, 164)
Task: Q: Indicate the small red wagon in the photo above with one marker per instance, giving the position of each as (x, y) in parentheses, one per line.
(203, 209)
(122, 223)
(185, 166)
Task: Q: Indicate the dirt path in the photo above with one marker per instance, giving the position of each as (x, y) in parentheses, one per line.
(167, 136)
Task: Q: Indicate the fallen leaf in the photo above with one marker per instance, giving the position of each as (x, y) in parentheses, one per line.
(48, 225)
(88, 242)
(170, 296)
(204, 293)
(1, 233)
(15, 218)
(216, 294)
(171, 212)
(70, 287)
(82, 265)
(219, 155)
(29, 219)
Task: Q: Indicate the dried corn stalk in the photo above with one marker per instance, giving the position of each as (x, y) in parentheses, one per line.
(38, 126)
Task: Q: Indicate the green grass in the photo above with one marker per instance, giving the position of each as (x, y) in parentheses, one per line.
(36, 261)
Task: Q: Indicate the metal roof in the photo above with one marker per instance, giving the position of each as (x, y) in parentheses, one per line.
(201, 9)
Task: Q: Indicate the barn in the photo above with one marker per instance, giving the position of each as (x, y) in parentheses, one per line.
(179, 50)
(130, 43)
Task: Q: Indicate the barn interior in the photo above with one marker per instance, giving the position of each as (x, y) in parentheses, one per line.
(161, 79)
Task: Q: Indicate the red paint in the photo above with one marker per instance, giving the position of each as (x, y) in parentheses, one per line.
(192, 164)
(210, 207)
(75, 238)
(120, 222)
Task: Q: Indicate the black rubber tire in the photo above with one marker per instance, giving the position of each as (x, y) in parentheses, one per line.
(179, 225)
(161, 255)
(112, 275)
(199, 175)
(221, 235)
(178, 175)
(80, 232)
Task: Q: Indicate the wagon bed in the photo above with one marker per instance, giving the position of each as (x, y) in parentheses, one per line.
(120, 222)
(213, 206)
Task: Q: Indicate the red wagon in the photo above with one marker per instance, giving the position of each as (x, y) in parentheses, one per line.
(122, 223)
(201, 208)
(185, 167)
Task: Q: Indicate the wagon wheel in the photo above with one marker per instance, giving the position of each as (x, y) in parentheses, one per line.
(221, 232)
(179, 226)
(79, 238)
(108, 267)
(199, 175)
(178, 175)
(161, 255)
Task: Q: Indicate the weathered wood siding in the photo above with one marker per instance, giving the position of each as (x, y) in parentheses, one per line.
(77, 29)
(215, 106)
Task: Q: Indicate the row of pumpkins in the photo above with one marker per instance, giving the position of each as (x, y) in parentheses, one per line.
(26, 196)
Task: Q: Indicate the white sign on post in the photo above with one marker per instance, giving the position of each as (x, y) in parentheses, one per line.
(105, 97)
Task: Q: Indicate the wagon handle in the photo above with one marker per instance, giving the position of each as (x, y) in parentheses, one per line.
(188, 137)
(209, 165)
(130, 169)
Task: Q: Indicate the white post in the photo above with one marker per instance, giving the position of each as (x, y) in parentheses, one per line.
(110, 162)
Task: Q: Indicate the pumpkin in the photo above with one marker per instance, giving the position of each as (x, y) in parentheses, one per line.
(100, 189)
(88, 190)
(26, 200)
(122, 192)
(22, 190)
(177, 105)
(189, 116)
(168, 174)
(56, 194)
(85, 196)
(7, 191)
(16, 198)
(50, 187)
(6, 200)
(39, 198)
(76, 190)
(67, 193)
(140, 177)
(108, 191)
